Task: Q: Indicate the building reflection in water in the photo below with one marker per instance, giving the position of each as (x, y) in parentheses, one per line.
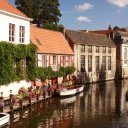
(99, 104)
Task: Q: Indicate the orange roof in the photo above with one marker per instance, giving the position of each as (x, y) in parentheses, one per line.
(48, 41)
(6, 6)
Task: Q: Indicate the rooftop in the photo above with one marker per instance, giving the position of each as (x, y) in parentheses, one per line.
(80, 37)
(6, 6)
(48, 41)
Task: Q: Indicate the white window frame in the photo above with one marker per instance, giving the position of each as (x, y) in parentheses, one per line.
(22, 34)
(12, 32)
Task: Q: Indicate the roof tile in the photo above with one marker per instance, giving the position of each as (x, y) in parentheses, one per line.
(6, 6)
(80, 37)
(48, 41)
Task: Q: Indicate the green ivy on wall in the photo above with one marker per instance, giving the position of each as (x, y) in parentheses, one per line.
(12, 67)
(48, 73)
(11, 57)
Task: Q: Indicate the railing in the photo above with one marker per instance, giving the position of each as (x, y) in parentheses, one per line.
(21, 100)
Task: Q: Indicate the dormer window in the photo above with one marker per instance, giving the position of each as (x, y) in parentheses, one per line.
(22, 34)
(11, 32)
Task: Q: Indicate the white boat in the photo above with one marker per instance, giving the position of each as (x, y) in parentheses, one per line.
(4, 119)
(68, 100)
(73, 91)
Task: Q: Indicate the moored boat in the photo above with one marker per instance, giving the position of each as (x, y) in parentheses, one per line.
(4, 119)
(72, 91)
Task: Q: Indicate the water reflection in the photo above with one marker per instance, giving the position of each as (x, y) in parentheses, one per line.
(101, 105)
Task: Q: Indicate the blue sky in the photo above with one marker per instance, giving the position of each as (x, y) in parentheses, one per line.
(93, 14)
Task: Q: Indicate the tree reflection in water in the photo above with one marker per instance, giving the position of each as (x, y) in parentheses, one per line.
(100, 105)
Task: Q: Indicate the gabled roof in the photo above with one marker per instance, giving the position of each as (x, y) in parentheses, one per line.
(6, 6)
(85, 38)
(48, 41)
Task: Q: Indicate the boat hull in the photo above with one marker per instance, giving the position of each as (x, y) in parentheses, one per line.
(70, 92)
(4, 119)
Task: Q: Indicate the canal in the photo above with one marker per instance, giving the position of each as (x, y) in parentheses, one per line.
(101, 105)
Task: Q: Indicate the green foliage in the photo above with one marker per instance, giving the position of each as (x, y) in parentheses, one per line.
(48, 73)
(67, 70)
(11, 67)
(12, 58)
(45, 13)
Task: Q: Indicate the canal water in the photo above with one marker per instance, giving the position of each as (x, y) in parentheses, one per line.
(101, 105)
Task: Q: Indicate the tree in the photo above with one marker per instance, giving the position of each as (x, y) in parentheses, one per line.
(45, 13)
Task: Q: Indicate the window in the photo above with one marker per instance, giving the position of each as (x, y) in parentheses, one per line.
(89, 63)
(82, 48)
(104, 49)
(44, 60)
(125, 55)
(21, 67)
(97, 49)
(23, 64)
(54, 60)
(11, 32)
(82, 61)
(22, 34)
(109, 62)
(109, 50)
(97, 63)
(64, 61)
(89, 49)
(104, 63)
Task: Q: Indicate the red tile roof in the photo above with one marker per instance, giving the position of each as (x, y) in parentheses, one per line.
(48, 41)
(6, 6)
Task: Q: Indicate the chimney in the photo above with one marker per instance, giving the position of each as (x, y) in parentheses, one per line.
(110, 32)
(62, 29)
(109, 27)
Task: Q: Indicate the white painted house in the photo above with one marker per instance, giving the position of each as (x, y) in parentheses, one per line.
(14, 28)
(121, 41)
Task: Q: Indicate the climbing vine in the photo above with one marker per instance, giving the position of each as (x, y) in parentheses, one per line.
(11, 62)
(48, 73)
(18, 62)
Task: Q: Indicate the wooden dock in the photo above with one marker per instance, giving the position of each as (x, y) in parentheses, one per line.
(16, 106)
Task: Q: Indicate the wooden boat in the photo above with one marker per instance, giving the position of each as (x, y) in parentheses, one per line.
(72, 91)
(4, 119)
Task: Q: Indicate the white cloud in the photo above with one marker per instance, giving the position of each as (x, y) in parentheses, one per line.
(83, 7)
(119, 3)
(83, 19)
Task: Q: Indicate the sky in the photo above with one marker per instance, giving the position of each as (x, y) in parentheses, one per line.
(93, 14)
